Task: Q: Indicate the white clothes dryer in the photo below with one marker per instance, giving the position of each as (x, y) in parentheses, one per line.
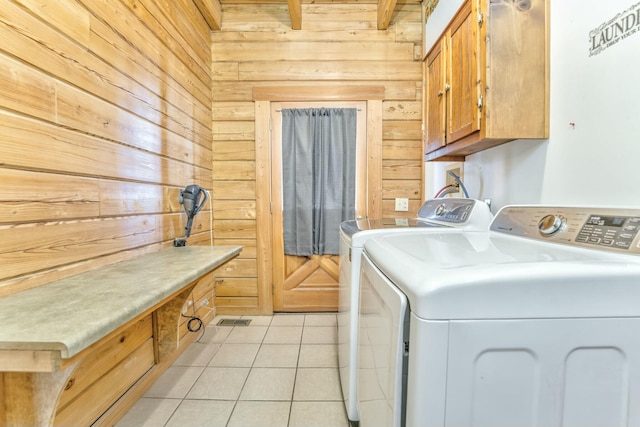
(533, 323)
(449, 214)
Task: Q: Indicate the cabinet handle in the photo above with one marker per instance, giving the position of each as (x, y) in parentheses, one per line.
(440, 93)
(447, 87)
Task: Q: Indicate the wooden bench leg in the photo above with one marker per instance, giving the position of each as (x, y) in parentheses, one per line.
(166, 321)
(31, 398)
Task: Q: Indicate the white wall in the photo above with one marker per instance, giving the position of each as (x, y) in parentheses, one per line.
(595, 162)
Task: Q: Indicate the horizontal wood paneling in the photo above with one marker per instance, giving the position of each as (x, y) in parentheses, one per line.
(236, 150)
(244, 305)
(398, 110)
(238, 91)
(299, 51)
(235, 190)
(233, 130)
(401, 169)
(248, 246)
(238, 268)
(103, 357)
(222, 111)
(330, 70)
(97, 398)
(339, 44)
(401, 188)
(235, 209)
(234, 228)
(234, 170)
(31, 196)
(236, 287)
(398, 150)
(185, 110)
(311, 33)
(105, 113)
(52, 244)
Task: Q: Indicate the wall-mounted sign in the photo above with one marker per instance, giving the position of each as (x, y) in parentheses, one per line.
(614, 30)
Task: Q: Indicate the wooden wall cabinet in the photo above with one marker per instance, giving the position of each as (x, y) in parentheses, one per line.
(487, 79)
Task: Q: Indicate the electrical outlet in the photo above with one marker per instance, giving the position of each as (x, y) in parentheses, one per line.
(457, 169)
(402, 205)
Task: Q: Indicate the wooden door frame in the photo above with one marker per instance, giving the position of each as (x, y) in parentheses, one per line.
(283, 296)
(263, 96)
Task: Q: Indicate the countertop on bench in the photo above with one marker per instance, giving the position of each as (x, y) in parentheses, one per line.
(70, 314)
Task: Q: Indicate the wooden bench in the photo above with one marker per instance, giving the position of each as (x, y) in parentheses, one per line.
(85, 348)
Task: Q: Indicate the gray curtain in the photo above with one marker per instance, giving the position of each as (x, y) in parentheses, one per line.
(318, 174)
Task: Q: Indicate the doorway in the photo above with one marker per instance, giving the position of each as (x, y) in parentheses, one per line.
(309, 283)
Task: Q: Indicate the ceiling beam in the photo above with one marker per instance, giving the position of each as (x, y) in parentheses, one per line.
(211, 10)
(295, 12)
(385, 10)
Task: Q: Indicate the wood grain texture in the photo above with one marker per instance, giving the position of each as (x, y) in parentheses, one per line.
(166, 320)
(256, 56)
(30, 398)
(53, 244)
(105, 113)
(29, 361)
(235, 209)
(96, 399)
(102, 358)
(248, 247)
(499, 89)
(295, 13)
(308, 51)
(385, 10)
(131, 396)
(212, 12)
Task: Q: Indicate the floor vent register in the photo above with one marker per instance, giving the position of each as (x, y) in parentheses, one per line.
(234, 322)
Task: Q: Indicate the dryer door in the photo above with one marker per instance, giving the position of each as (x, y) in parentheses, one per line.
(383, 321)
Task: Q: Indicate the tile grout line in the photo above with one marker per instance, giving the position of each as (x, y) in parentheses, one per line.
(295, 377)
(235, 405)
(304, 325)
(194, 383)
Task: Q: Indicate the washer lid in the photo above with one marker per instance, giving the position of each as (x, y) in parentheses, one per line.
(464, 214)
(360, 230)
(487, 275)
(357, 225)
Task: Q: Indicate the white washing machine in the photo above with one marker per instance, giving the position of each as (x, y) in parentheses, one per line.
(533, 323)
(450, 214)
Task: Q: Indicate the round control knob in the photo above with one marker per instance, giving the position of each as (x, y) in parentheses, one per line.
(551, 224)
(440, 210)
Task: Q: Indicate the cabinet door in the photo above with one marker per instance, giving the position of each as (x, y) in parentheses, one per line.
(463, 76)
(435, 104)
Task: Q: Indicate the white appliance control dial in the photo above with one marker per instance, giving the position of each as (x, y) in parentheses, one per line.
(551, 224)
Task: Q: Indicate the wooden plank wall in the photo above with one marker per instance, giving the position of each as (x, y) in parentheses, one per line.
(105, 113)
(338, 44)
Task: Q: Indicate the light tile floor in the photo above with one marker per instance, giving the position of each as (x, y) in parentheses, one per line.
(280, 371)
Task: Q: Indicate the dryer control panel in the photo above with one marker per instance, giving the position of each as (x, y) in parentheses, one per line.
(615, 229)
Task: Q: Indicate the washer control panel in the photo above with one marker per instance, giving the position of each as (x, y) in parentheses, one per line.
(615, 229)
(455, 211)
